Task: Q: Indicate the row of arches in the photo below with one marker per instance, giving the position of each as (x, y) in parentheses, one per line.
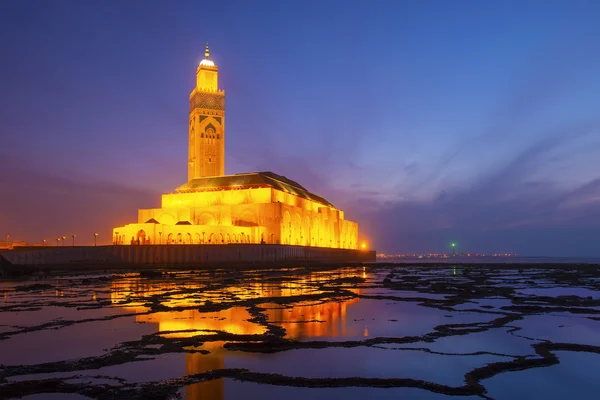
(297, 230)
(246, 218)
(186, 238)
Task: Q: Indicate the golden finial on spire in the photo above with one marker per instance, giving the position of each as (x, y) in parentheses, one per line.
(206, 62)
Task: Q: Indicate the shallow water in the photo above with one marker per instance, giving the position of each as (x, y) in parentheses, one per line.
(230, 389)
(386, 332)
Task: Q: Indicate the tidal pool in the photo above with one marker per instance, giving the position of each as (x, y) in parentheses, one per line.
(381, 332)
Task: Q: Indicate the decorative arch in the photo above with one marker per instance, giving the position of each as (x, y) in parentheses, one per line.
(209, 122)
(206, 218)
(140, 236)
(286, 229)
(297, 236)
(306, 230)
(314, 232)
(247, 218)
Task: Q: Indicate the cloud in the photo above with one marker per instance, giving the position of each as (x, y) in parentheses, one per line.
(497, 205)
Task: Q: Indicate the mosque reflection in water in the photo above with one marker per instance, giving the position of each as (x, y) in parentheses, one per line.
(302, 321)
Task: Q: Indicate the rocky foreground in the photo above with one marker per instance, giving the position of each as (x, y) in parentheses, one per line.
(388, 312)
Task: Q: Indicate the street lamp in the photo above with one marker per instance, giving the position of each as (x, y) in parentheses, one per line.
(73, 236)
(116, 237)
(95, 237)
(7, 239)
(57, 240)
(202, 237)
(63, 240)
(453, 248)
(43, 242)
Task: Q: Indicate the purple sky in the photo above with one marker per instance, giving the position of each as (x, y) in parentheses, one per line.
(428, 122)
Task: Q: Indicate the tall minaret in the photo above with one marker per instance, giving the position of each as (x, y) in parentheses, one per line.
(207, 123)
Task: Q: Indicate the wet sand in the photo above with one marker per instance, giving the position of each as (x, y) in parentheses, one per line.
(383, 330)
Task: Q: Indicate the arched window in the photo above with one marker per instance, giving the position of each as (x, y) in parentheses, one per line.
(210, 131)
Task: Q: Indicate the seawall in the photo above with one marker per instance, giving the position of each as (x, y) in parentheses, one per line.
(197, 255)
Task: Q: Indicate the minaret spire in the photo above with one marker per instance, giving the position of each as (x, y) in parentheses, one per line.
(207, 52)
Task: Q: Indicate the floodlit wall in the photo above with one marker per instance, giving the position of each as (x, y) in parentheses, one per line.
(260, 215)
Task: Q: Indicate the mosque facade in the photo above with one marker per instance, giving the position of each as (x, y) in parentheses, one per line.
(214, 208)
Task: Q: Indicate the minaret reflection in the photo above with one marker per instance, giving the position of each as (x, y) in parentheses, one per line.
(301, 321)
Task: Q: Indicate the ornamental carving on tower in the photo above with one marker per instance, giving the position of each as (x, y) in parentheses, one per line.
(210, 101)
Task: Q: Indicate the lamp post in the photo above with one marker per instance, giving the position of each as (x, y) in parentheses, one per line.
(63, 240)
(7, 239)
(95, 237)
(453, 248)
(116, 237)
(160, 237)
(57, 240)
(73, 236)
(43, 242)
(202, 237)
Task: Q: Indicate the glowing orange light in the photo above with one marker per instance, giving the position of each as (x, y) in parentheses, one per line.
(363, 246)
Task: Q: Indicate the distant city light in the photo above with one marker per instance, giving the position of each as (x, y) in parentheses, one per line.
(383, 256)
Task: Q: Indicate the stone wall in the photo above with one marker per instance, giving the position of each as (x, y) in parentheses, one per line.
(192, 255)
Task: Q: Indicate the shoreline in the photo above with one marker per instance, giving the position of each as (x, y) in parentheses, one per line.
(10, 272)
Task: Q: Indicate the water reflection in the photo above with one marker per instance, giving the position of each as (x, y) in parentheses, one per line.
(197, 363)
(301, 320)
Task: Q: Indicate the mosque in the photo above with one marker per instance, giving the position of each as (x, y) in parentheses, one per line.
(214, 208)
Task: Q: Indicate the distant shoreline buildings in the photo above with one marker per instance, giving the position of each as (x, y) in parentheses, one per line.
(441, 256)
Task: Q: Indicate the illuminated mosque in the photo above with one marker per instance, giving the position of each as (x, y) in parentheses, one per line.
(214, 208)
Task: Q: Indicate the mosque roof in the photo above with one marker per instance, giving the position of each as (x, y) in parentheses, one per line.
(251, 179)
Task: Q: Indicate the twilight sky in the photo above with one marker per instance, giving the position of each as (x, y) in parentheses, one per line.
(426, 121)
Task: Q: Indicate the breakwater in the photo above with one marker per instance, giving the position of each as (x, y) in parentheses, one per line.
(193, 254)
